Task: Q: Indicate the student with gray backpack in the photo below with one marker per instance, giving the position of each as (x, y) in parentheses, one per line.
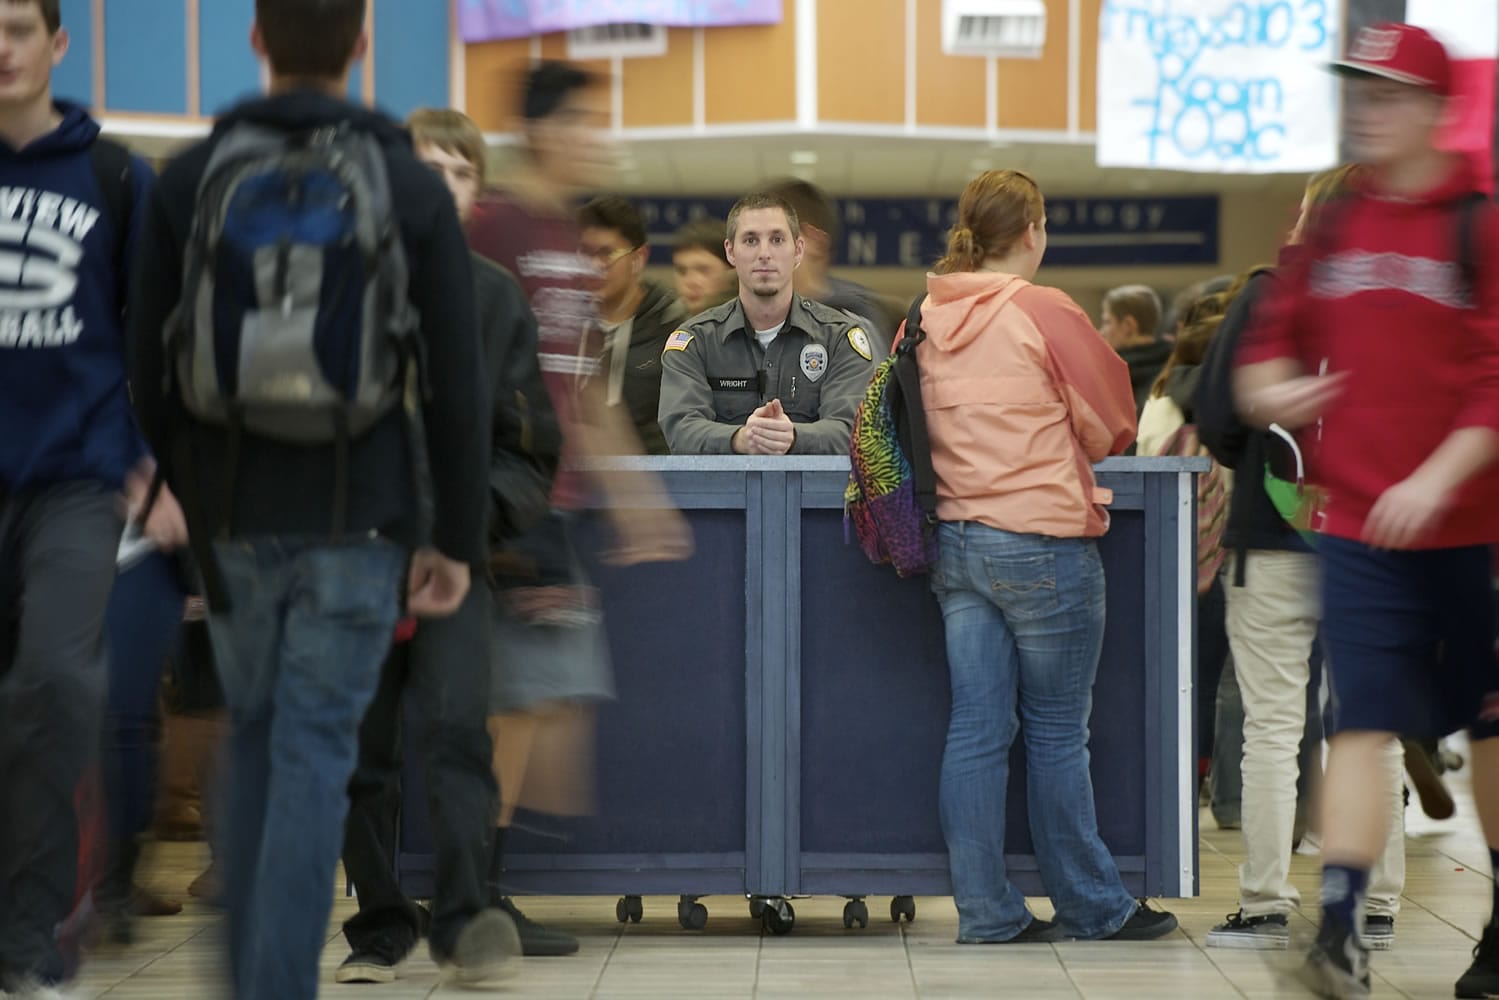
(306, 363)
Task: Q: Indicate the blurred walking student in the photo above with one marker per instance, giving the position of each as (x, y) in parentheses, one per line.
(312, 524)
(1380, 347)
(1022, 396)
(1272, 585)
(68, 451)
(551, 657)
(443, 672)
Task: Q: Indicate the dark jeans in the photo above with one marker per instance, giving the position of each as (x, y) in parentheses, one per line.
(445, 670)
(144, 626)
(57, 564)
(299, 652)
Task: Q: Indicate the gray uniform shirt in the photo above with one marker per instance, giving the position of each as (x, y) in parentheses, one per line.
(714, 374)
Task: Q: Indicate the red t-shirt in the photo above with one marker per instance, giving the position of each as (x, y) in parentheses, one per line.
(541, 250)
(1381, 297)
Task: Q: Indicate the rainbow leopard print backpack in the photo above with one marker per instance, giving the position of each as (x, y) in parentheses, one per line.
(891, 499)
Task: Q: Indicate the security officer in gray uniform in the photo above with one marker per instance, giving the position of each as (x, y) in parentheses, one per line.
(769, 373)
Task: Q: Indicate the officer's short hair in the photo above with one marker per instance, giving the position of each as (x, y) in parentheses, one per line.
(613, 212)
(757, 200)
(812, 204)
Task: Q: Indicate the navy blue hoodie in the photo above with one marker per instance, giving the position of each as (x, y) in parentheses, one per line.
(64, 411)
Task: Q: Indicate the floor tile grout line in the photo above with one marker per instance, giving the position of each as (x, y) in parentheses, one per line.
(905, 944)
(598, 980)
(161, 955)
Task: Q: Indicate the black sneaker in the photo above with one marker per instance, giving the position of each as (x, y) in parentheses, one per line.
(1145, 924)
(1337, 967)
(1267, 932)
(1482, 977)
(1039, 931)
(537, 941)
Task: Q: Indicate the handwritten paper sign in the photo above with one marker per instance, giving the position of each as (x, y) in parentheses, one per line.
(486, 20)
(1218, 86)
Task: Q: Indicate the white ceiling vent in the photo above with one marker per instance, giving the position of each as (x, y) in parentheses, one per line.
(1009, 29)
(626, 41)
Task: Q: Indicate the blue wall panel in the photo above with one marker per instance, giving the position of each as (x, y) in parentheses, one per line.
(411, 55)
(145, 59)
(74, 79)
(228, 68)
(356, 82)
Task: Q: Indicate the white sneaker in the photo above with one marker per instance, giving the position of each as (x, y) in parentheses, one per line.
(34, 990)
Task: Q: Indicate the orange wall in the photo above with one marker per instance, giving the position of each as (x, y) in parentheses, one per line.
(870, 86)
(750, 73)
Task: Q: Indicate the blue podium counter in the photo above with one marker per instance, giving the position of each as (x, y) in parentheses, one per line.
(782, 704)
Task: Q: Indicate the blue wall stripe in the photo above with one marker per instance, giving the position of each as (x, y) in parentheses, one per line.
(228, 69)
(145, 58)
(411, 55)
(74, 79)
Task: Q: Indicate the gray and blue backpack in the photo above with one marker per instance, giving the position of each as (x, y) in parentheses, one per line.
(294, 324)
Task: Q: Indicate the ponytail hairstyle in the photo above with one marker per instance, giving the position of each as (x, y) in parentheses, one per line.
(994, 212)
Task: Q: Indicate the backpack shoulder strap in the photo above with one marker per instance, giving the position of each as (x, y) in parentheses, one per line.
(917, 445)
(112, 167)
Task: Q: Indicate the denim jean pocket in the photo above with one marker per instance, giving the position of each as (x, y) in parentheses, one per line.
(1023, 586)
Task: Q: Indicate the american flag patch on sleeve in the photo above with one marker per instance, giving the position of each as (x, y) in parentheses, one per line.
(678, 341)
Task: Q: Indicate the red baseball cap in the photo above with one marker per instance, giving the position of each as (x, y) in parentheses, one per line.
(1400, 52)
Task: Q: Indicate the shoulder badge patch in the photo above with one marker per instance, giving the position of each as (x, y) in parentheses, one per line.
(678, 341)
(859, 340)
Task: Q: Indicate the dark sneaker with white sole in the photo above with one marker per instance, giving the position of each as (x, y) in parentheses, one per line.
(1379, 932)
(1267, 932)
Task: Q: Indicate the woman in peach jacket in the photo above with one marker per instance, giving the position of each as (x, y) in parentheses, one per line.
(1022, 396)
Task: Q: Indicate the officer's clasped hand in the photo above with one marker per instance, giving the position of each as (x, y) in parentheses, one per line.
(767, 432)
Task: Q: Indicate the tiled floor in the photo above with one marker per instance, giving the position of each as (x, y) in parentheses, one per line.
(1447, 900)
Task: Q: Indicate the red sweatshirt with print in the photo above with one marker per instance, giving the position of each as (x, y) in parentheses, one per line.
(1380, 295)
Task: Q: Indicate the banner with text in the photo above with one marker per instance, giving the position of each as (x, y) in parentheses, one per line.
(912, 232)
(487, 20)
(1218, 86)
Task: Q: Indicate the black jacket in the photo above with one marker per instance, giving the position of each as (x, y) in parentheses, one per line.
(1145, 364)
(657, 317)
(281, 489)
(1253, 521)
(527, 439)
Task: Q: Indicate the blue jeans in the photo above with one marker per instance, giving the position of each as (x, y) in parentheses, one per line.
(1024, 618)
(299, 652)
